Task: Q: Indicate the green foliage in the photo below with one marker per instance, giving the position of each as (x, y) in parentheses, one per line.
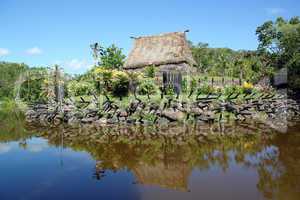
(77, 88)
(279, 42)
(193, 86)
(150, 71)
(206, 89)
(32, 89)
(9, 109)
(184, 85)
(134, 80)
(247, 65)
(232, 89)
(120, 84)
(110, 57)
(170, 90)
(147, 87)
(114, 81)
(9, 73)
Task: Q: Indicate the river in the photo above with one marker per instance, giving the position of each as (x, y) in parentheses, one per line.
(234, 161)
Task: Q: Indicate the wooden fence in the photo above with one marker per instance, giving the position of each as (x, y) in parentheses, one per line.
(174, 80)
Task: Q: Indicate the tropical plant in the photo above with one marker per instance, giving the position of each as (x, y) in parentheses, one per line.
(120, 84)
(193, 86)
(206, 89)
(78, 88)
(232, 89)
(150, 71)
(184, 85)
(247, 87)
(32, 87)
(110, 57)
(147, 87)
(134, 80)
(279, 42)
(9, 73)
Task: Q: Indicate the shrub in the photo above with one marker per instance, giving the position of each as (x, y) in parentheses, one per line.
(134, 80)
(103, 76)
(232, 89)
(120, 84)
(247, 88)
(184, 85)
(170, 90)
(11, 110)
(150, 71)
(193, 86)
(147, 87)
(77, 88)
(206, 89)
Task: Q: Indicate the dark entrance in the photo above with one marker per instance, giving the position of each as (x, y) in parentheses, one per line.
(172, 79)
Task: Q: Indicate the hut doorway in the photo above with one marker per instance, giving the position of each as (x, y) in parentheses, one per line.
(172, 79)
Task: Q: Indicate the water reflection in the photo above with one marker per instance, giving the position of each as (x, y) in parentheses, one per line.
(172, 157)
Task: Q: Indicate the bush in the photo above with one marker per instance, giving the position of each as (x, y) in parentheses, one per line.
(120, 84)
(206, 89)
(9, 73)
(193, 85)
(184, 85)
(150, 71)
(170, 90)
(78, 88)
(247, 88)
(147, 87)
(11, 110)
(134, 80)
(232, 89)
(103, 78)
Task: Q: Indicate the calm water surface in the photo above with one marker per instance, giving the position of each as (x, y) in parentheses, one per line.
(65, 163)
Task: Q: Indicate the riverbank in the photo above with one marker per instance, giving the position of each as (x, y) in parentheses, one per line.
(273, 109)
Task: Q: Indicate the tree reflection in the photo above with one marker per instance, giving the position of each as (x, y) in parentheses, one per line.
(166, 156)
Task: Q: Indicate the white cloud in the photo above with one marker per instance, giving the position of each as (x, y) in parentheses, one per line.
(74, 65)
(4, 52)
(4, 148)
(34, 51)
(35, 148)
(275, 11)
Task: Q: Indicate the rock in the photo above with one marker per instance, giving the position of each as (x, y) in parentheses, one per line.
(73, 121)
(112, 120)
(88, 120)
(101, 121)
(30, 112)
(196, 110)
(58, 120)
(68, 108)
(172, 115)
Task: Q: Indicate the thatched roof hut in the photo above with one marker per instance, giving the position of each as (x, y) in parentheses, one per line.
(167, 175)
(169, 51)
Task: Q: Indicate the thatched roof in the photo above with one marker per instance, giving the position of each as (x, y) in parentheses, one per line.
(170, 175)
(169, 48)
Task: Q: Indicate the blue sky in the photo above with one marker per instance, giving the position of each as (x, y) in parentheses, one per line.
(45, 32)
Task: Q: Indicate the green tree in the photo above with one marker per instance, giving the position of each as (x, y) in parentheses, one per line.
(279, 41)
(9, 73)
(111, 57)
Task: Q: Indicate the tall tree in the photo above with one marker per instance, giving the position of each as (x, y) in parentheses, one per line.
(110, 57)
(280, 42)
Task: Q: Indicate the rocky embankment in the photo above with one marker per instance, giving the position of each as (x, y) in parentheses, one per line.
(273, 109)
